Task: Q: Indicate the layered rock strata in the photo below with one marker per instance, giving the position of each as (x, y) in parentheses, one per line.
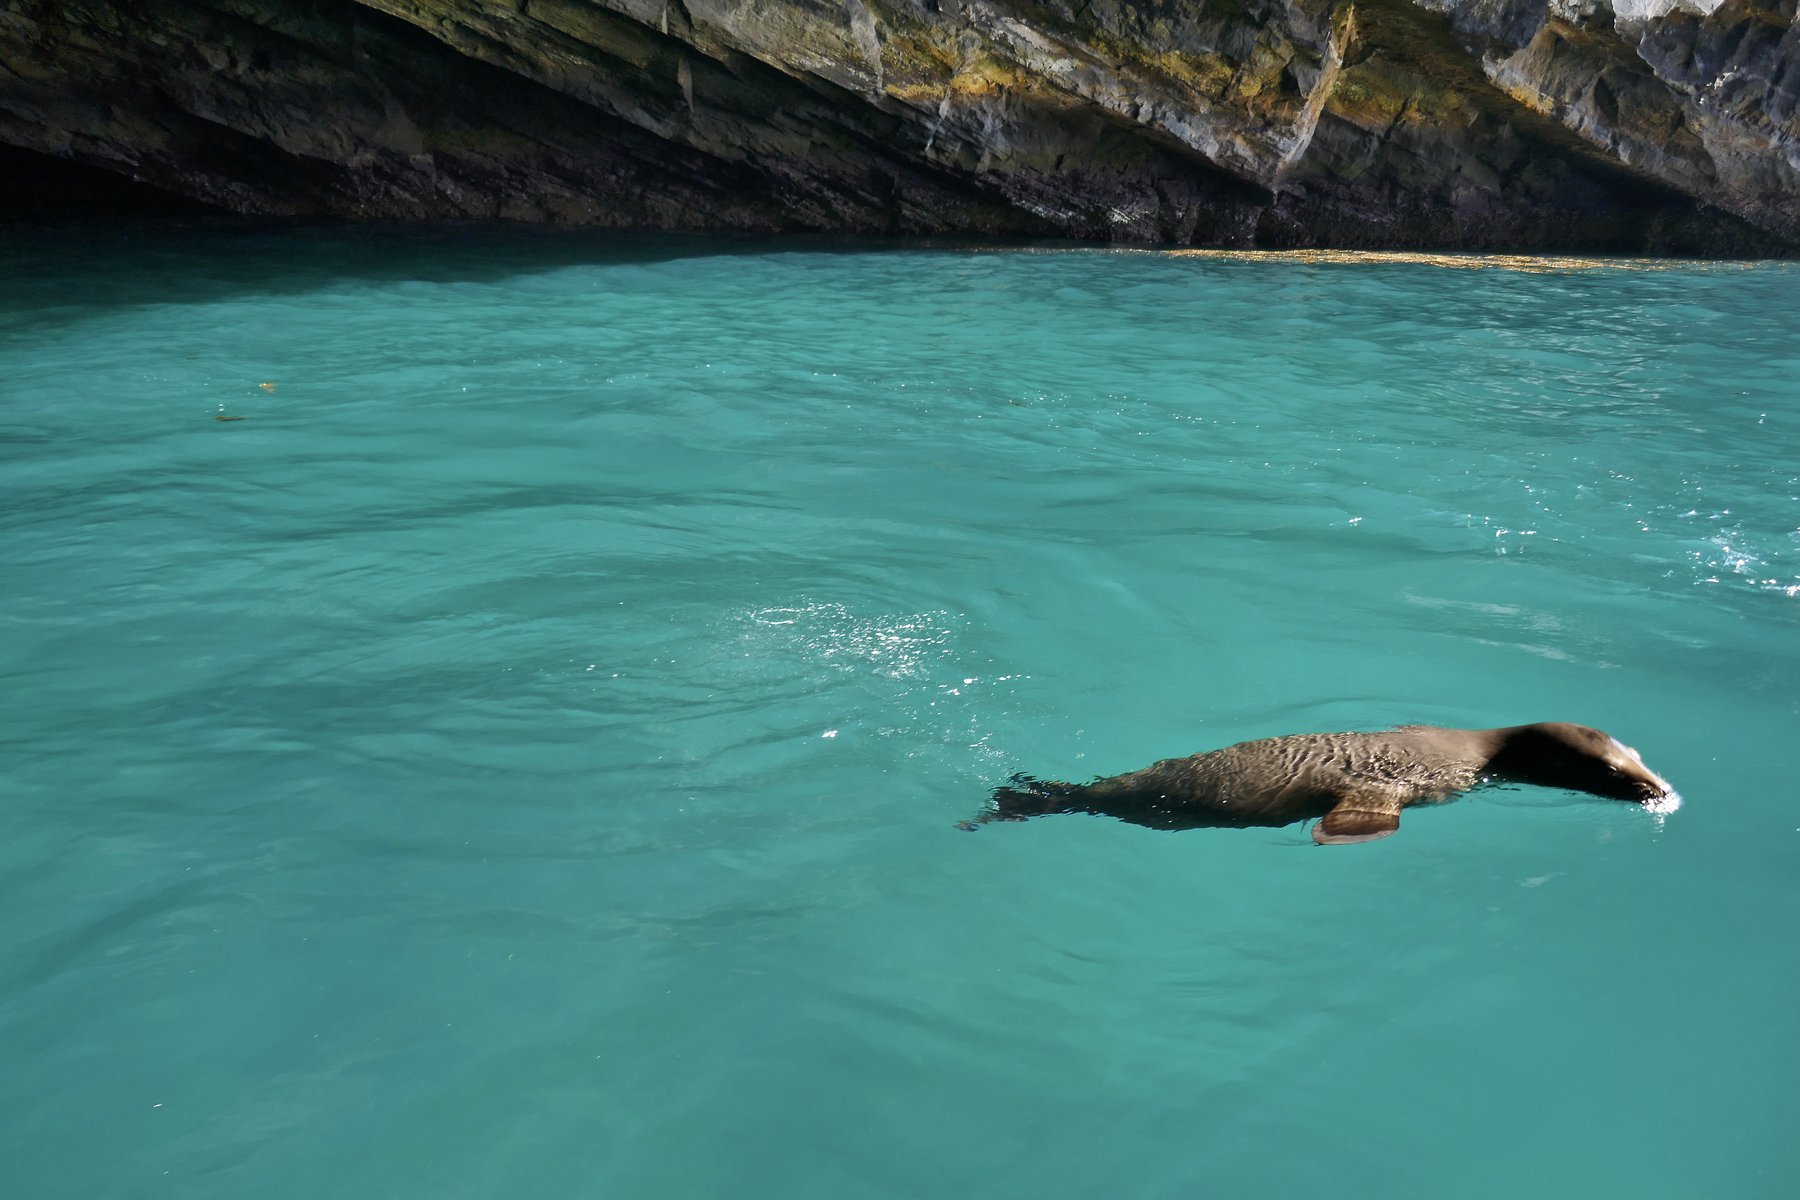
(1489, 124)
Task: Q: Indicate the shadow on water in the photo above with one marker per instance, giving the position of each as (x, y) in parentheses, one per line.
(203, 258)
(187, 256)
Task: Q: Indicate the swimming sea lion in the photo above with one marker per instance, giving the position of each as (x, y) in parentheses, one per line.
(1357, 783)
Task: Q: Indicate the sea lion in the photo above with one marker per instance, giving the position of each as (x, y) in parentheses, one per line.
(1356, 783)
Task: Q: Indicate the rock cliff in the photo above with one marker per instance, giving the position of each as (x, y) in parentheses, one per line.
(1543, 124)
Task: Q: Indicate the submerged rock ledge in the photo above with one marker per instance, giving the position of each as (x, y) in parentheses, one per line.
(1449, 124)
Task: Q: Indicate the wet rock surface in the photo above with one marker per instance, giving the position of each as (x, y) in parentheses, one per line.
(1355, 123)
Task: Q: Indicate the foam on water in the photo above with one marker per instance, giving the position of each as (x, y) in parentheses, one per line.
(521, 755)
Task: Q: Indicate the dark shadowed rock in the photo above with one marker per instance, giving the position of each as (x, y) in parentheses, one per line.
(1492, 124)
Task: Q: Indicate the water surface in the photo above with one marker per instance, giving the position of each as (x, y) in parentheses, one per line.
(520, 756)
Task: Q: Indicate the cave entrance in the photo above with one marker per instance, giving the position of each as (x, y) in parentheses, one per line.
(42, 187)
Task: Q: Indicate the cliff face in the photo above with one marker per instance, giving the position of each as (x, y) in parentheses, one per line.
(1492, 123)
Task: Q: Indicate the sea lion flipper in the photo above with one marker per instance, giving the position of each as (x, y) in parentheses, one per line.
(1359, 817)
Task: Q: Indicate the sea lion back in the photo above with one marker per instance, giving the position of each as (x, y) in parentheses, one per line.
(1268, 781)
(1275, 775)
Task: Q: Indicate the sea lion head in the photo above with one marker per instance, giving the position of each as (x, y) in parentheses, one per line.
(1579, 758)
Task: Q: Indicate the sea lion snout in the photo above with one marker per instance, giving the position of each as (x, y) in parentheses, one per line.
(1648, 791)
(1658, 794)
(1653, 786)
(1640, 783)
(1627, 778)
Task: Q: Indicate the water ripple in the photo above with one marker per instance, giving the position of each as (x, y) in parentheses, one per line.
(540, 721)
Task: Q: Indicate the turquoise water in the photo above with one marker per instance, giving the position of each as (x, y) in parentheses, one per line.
(520, 757)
